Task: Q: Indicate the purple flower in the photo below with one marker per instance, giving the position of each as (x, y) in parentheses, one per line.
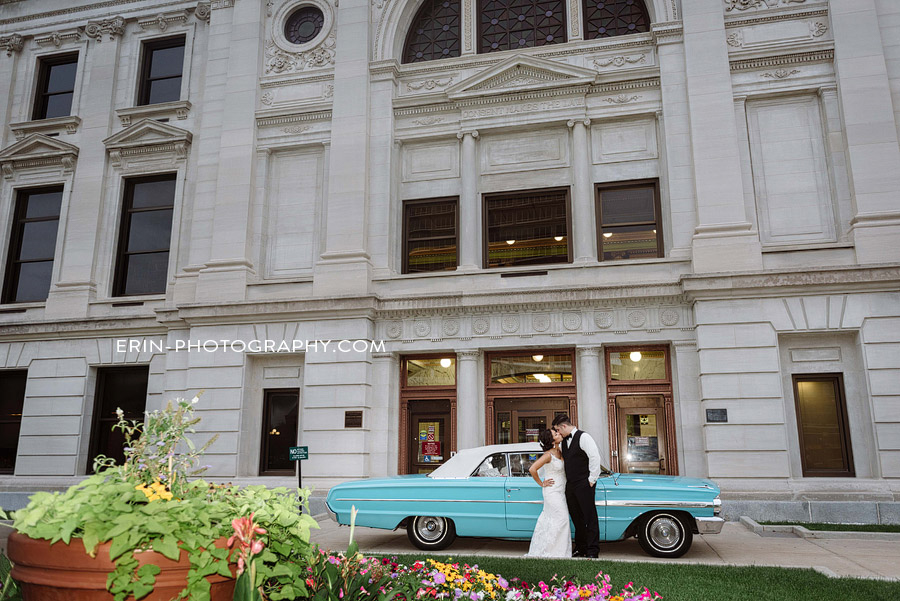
(439, 578)
(503, 583)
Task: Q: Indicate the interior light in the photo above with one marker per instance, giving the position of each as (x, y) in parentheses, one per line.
(445, 363)
(274, 432)
(537, 357)
(558, 238)
(542, 378)
(635, 356)
(510, 242)
(607, 234)
(654, 231)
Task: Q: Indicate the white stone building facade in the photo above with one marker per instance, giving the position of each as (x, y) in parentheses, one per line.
(295, 139)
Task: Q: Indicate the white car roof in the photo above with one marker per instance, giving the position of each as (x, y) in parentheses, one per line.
(465, 461)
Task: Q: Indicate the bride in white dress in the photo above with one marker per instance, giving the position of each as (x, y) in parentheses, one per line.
(552, 535)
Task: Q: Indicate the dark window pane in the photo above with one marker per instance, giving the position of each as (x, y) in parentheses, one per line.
(124, 388)
(630, 242)
(280, 431)
(38, 240)
(825, 442)
(431, 236)
(150, 230)
(147, 194)
(432, 255)
(515, 24)
(59, 105)
(166, 62)
(527, 229)
(12, 394)
(34, 281)
(304, 25)
(165, 90)
(9, 444)
(146, 274)
(607, 18)
(44, 204)
(61, 78)
(524, 369)
(628, 205)
(434, 33)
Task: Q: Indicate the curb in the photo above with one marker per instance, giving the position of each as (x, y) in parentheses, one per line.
(801, 532)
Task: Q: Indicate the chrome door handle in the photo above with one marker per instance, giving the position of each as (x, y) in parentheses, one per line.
(511, 489)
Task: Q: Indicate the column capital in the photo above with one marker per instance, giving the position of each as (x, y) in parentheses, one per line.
(12, 43)
(588, 351)
(471, 132)
(383, 356)
(571, 122)
(829, 90)
(468, 354)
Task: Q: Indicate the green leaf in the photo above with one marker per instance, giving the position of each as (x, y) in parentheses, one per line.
(120, 544)
(168, 546)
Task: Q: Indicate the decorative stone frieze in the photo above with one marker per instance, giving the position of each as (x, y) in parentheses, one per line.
(219, 4)
(521, 74)
(603, 319)
(162, 21)
(113, 27)
(148, 142)
(281, 61)
(179, 109)
(38, 152)
(58, 38)
(621, 61)
(743, 5)
(429, 84)
(46, 126)
(12, 43)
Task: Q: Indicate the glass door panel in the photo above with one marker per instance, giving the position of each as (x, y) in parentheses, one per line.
(429, 437)
(642, 440)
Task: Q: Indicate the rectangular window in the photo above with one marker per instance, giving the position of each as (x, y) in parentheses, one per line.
(55, 86)
(628, 221)
(281, 416)
(145, 234)
(823, 426)
(122, 388)
(32, 245)
(630, 365)
(431, 371)
(12, 399)
(537, 368)
(161, 69)
(430, 235)
(527, 228)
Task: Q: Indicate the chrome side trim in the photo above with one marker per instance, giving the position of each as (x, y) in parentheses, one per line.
(717, 506)
(431, 500)
(330, 513)
(709, 525)
(620, 503)
(673, 504)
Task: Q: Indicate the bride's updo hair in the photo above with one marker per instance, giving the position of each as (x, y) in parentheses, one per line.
(546, 440)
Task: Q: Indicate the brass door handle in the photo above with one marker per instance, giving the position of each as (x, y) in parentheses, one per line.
(662, 464)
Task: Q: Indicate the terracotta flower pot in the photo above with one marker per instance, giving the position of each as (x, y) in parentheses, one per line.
(61, 572)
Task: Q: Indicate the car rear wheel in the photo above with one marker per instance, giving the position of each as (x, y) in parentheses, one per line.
(430, 533)
(665, 535)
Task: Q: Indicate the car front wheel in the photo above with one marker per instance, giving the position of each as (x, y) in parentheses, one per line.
(665, 535)
(430, 533)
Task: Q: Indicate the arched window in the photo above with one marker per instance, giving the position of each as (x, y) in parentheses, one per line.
(607, 18)
(513, 24)
(434, 33)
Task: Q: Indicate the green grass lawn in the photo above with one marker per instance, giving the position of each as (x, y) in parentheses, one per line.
(839, 527)
(681, 582)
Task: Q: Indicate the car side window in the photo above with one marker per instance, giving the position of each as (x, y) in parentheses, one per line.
(493, 466)
(520, 463)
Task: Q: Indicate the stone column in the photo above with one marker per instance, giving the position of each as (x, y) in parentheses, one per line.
(10, 49)
(591, 399)
(724, 239)
(469, 209)
(384, 416)
(583, 220)
(873, 153)
(469, 401)
(689, 419)
(344, 268)
(469, 27)
(229, 268)
(382, 229)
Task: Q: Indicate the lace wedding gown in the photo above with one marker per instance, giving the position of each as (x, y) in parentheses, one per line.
(552, 535)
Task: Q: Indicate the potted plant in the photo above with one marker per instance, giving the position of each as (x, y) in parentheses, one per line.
(147, 530)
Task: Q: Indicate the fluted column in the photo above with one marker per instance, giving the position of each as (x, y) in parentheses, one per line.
(592, 412)
(469, 401)
(469, 210)
(583, 221)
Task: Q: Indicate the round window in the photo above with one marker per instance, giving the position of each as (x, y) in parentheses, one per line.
(304, 25)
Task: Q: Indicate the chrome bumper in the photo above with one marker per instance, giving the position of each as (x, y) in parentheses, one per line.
(330, 513)
(709, 525)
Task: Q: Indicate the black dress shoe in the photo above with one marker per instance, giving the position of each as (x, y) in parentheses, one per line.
(577, 554)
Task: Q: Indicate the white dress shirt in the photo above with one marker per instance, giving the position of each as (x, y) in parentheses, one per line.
(588, 445)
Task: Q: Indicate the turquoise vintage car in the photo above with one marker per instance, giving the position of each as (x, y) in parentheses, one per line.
(488, 492)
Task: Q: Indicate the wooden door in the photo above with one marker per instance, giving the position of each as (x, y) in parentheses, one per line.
(429, 436)
(642, 434)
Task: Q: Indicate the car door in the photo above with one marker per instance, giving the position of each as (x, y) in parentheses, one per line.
(524, 498)
(484, 514)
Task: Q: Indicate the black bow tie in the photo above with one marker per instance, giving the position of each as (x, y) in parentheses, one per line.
(567, 437)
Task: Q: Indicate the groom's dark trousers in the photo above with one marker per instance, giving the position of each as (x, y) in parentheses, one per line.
(580, 496)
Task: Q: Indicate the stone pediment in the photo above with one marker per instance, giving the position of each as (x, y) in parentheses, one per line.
(35, 151)
(521, 74)
(147, 132)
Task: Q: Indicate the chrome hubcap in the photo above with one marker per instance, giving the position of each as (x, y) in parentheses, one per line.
(665, 532)
(430, 529)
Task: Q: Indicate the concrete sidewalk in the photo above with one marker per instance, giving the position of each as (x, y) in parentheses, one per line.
(735, 545)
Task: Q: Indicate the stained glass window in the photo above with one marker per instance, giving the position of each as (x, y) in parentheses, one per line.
(304, 25)
(513, 24)
(608, 18)
(434, 33)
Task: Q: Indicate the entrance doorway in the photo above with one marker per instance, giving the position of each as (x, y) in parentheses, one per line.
(642, 434)
(428, 435)
(523, 419)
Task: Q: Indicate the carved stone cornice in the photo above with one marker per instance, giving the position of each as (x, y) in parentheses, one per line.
(112, 27)
(12, 43)
(38, 151)
(162, 21)
(219, 4)
(468, 355)
(58, 38)
(279, 117)
(148, 139)
(667, 33)
(180, 109)
(784, 59)
(203, 12)
(68, 124)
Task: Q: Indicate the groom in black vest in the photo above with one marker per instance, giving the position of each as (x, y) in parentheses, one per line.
(582, 464)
